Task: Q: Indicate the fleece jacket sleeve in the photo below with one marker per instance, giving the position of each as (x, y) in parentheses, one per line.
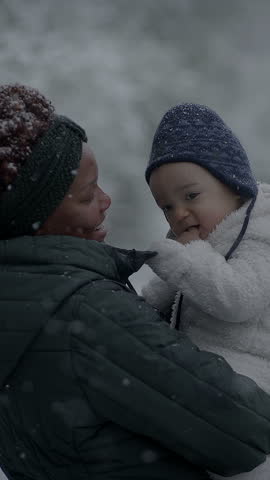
(159, 294)
(233, 291)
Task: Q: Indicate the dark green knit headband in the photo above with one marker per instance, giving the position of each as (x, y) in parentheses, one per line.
(44, 180)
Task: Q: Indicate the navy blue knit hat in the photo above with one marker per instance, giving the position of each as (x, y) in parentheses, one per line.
(194, 133)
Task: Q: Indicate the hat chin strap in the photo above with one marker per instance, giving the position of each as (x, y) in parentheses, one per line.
(242, 231)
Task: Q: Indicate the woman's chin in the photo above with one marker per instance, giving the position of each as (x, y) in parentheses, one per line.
(97, 235)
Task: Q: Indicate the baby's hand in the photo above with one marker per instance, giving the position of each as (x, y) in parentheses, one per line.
(170, 254)
(188, 236)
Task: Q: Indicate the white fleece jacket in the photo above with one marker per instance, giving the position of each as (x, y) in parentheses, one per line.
(226, 305)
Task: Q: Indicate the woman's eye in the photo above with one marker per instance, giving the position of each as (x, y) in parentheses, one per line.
(192, 195)
(88, 199)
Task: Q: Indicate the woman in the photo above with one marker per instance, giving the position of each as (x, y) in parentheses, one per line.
(94, 383)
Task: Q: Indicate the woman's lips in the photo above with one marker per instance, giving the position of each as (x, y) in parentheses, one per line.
(99, 227)
(98, 234)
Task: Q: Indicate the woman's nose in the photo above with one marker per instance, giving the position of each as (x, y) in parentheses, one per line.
(105, 201)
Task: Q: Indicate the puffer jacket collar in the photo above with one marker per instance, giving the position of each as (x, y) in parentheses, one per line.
(24, 253)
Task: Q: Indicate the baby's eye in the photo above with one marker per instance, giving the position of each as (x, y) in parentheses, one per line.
(191, 195)
(166, 209)
(167, 212)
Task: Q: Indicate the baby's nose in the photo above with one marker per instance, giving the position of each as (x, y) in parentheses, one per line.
(181, 213)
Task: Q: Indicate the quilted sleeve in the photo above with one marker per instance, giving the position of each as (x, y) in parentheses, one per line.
(149, 379)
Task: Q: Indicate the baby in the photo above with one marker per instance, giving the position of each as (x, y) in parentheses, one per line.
(214, 269)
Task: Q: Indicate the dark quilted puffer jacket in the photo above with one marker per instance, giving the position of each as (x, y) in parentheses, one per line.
(95, 386)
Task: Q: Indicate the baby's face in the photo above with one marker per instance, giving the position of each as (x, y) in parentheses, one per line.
(192, 199)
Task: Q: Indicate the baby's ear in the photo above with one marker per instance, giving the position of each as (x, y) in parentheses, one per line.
(171, 235)
(240, 200)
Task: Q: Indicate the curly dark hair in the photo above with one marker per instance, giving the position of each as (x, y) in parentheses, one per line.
(25, 114)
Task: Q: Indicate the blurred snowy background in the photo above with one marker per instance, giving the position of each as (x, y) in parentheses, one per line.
(116, 66)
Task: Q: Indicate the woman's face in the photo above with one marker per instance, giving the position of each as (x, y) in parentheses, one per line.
(82, 210)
